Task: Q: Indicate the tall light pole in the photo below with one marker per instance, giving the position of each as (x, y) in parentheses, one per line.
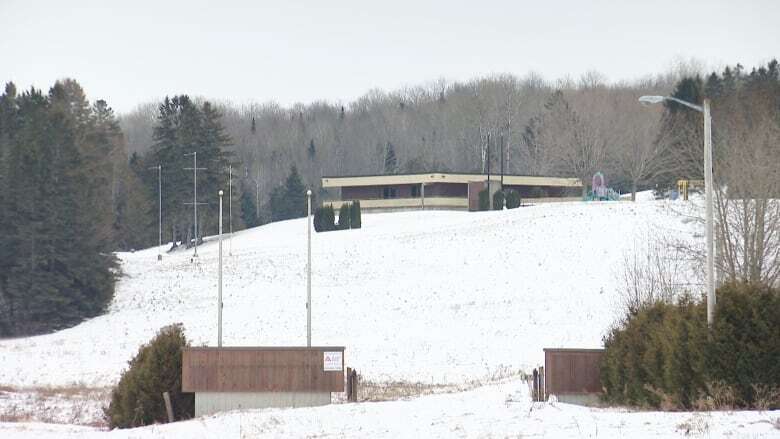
(219, 294)
(159, 210)
(308, 271)
(708, 185)
(195, 203)
(230, 208)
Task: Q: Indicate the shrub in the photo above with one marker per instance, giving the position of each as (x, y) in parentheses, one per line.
(484, 200)
(665, 356)
(324, 219)
(156, 368)
(744, 350)
(344, 216)
(498, 200)
(512, 199)
(355, 215)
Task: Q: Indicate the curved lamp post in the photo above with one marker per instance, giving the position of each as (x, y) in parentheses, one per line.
(705, 110)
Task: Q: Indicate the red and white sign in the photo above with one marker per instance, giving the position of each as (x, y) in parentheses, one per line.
(332, 361)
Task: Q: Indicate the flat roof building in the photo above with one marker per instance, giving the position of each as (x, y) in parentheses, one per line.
(441, 190)
(230, 378)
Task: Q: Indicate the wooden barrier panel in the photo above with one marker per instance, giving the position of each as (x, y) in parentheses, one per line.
(263, 369)
(572, 371)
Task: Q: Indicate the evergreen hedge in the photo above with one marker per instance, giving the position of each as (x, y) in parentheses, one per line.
(345, 214)
(498, 200)
(355, 215)
(137, 400)
(664, 356)
(324, 219)
(484, 200)
(512, 199)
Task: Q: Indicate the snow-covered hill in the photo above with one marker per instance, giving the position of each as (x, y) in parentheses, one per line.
(430, 297)
(435, 296)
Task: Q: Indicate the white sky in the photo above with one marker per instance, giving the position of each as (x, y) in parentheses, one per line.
(302, 51)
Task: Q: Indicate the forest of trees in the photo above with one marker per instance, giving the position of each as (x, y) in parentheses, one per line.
(80, 182)
(62, 207)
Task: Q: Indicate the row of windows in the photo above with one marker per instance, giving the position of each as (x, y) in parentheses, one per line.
(392, 192)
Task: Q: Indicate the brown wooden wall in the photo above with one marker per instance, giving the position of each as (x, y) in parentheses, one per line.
(572, 371)
(259, 369)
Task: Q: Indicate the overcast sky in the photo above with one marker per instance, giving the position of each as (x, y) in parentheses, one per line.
(135, 51)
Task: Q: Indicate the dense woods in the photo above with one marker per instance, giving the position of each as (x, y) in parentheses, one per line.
(80, 183)
(62, 207)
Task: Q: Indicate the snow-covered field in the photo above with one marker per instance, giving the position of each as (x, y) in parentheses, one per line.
(433, 297)
(498, 410)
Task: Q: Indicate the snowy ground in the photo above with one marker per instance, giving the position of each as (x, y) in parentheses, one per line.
(433, 297)
(439, 297)
(499, 410)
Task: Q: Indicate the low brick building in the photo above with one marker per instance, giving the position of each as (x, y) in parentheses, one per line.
(439, 190)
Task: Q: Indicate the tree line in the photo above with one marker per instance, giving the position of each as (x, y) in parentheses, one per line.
(63, 207)
(81, 183)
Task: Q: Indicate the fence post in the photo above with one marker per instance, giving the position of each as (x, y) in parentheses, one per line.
(349, 384)
(168, 406)
(354, 386)
(542, 384)
(535, 393)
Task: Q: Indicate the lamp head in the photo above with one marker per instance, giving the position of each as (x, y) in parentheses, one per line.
(220, 193)
(308, 193)
(649, 100)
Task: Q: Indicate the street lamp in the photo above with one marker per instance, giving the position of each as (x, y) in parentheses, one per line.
(705, 109)
(308, 272)
(159, 210)
(219, 294)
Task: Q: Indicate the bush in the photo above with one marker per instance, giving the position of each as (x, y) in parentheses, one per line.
(512, 199)
(344, 216)
(665, 356)
(137, 400)
(324, 219)
(498, 200)
(484, 200)
(744, 350)
(355, 215)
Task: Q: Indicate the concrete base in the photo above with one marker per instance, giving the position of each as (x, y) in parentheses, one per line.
(586, 399)
(207, 403)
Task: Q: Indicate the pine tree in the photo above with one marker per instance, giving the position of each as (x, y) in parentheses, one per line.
(391, 161)
(248, 209)
(344, 216)
(312, 150)
(355, 215)
(295, 194)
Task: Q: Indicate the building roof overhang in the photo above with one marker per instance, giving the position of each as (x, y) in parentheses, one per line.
(440, 177)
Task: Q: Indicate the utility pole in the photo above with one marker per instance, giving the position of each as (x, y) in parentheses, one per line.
(256, 181)
(490, 201)
(502, 173)
(501, 142)
(195, 203)
(159, 210)
(219, 294)
(710, 222)
(230, 208)
(308, 272)
(708, 187)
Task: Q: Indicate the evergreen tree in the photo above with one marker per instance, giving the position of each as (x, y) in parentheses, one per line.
(248, 209)
(391, 161)
(312, 150)
(344, 216)
(57, 261)
(355, 215)
(183, 128)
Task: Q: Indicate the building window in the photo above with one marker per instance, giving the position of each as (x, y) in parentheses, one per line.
(415, 191)
(389, 192)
